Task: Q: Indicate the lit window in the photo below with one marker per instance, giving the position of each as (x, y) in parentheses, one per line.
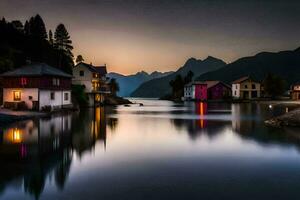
(52, 95)
(17, 95)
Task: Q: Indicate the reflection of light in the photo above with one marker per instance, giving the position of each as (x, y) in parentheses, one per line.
(96, 123)
(201, 114)
(270, 106)
(16, 136)
(98, 97)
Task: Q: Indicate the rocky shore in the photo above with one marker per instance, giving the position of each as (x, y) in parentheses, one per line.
(115, 100)
(290, 119)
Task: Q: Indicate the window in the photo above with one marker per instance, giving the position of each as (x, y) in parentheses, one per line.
(246, 86)
(30, 97)
(55, 81)
(95, 75)
(236, 86)
(66, 96)
(253, 86)
(81, 73)
(52, 95)
(23, 81)
(17, 95)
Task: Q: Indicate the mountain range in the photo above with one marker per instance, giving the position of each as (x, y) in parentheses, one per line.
(285, 64)
(128, 84)
(159, 87)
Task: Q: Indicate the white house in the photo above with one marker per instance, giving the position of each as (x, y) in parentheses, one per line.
(93, 78)
(246, 88)
(37, 87)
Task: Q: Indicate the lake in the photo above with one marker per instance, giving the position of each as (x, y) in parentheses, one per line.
(161, 150)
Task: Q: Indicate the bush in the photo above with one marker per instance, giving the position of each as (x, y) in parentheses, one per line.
(79, 96)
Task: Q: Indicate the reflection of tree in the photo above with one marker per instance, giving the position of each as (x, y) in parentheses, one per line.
(112, 123)
(34, 183)
(62, 169)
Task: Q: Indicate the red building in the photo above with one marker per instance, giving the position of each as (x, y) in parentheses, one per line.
(217, 90)
(204, 90)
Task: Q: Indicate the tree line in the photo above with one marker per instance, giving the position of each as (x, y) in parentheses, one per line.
(31, 42)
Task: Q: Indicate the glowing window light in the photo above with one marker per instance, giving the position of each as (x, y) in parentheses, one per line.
(16, 137)
(17, 95)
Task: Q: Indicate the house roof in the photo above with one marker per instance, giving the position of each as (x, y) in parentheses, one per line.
(240, 80)
(208, 83)
(36, 69)
(97, 69)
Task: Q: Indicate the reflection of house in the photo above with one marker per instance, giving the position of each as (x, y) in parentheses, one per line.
(206, 90)
(246, 88)
(295, 91)
(93, 78)
(37, 87)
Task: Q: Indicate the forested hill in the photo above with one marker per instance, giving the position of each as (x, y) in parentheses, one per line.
(31, 42)
(160, 86)
(285, 64)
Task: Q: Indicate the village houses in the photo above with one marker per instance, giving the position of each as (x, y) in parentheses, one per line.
(206, 90)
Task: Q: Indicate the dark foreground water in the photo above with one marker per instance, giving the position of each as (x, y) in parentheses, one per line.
(159, 151)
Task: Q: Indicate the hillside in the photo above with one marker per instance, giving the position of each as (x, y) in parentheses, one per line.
(129, 83)
(160, 86)
(286, 64)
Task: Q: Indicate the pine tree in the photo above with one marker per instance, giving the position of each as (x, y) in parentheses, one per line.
(79, 59)
(37, 27)
(50, 38)
(62, 40)
(27, 28)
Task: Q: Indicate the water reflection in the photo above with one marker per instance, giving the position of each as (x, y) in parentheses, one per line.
(33, 151)
(156, 140)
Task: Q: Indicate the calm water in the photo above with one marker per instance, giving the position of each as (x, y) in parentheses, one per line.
(159, 151)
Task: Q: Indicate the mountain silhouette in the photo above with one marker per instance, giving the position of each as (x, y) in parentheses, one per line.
(160, 86)
(129, 83)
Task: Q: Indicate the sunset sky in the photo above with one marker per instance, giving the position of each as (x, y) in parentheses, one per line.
(134, 35)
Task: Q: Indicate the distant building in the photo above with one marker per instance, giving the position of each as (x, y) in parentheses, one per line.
(217, 90)
(93, 78)
(36, 87)
(195, 91)
(295, 91)
(203, 90)
(246, 88)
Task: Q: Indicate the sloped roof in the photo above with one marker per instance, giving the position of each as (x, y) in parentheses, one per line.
(213, 83)
(240, 80)
(97, 69)
(208, 83)
(36, 69)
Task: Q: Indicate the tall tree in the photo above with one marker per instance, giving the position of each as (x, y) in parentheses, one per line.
(114, 86)
(27, 28)
(62, 40)
(273, 85)
(50, 37)
(79, 59)
(37, 27)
